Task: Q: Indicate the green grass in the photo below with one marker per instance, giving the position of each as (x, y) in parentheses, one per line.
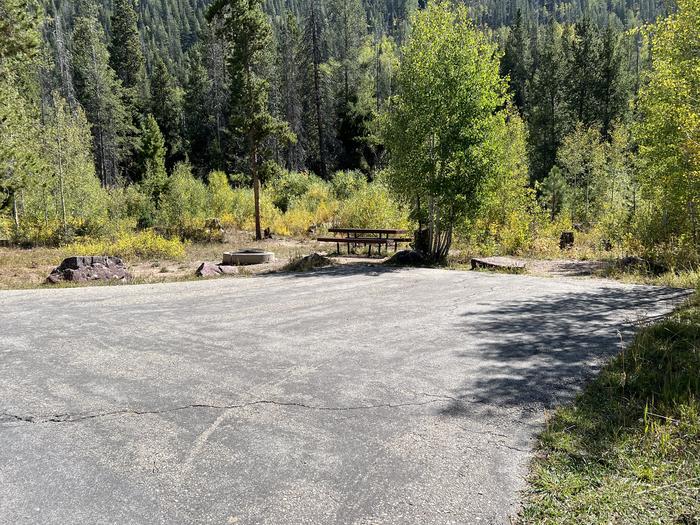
(627, 451)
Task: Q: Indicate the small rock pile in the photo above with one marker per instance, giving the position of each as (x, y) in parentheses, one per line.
(89, 268)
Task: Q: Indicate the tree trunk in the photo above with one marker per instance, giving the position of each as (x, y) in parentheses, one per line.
(316, 52)
(60, 184)
(256, 190)
(15, 210)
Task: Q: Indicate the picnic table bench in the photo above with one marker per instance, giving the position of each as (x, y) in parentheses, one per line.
(366, 236)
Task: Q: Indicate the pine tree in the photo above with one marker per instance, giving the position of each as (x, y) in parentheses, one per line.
(584, 73)
(549, 115)
(166, 107)
(315, 54)
(99, 91)
(125, 53)
(152, 156)
(290, 77)
(19, 35)
(198, 118)
(347, 27)
(246, 28)
(613, 89)
(517, 60)
(219, 96)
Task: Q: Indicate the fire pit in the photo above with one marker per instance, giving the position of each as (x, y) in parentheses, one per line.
(248, 256)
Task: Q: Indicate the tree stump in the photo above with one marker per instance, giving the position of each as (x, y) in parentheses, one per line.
(566, 240)
(422, 240)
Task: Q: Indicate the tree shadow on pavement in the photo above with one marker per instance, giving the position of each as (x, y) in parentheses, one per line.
(535, 354)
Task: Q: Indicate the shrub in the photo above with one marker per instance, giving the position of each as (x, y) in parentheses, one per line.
(290, 185)
(318, 201)
(295, 222)
(220, 194)
(372, 207)
(243, 210)
(6, 227)
(129, 205)
(183, 205)
(128, 245)
(347, 183)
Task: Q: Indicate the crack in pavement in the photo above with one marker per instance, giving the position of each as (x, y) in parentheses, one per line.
(69, 418)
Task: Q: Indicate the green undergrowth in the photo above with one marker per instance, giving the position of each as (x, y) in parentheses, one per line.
(627, 451)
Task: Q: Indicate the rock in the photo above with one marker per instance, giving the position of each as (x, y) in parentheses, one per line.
(310, 262)
(207, 269)
(497, 263)
(89, 268)
(407, 258)
(228, 269)
(566, 240)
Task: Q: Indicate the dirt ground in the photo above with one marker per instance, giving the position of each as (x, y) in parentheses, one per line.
(560, 267)
(28, 268)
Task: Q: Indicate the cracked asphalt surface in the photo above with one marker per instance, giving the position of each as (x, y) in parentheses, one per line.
(353, 395)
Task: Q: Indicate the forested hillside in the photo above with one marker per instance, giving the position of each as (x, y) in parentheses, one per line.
(115, 113)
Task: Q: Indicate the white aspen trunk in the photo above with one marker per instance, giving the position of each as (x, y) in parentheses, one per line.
(60, 182)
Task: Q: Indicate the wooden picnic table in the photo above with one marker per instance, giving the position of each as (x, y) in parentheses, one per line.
(366, 236)
(379, 231)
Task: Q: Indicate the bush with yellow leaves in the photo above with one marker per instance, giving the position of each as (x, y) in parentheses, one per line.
(131, 245)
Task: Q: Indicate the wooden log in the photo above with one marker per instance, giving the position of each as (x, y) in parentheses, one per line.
(497, 263)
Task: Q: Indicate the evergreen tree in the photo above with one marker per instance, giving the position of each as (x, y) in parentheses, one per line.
(125, 53)
(517, 60)
(584, 72)
(19, 35)
(219, 96)
(152, 155)
(99, 91)
(613, 88)
(549, 114)
(317, 90)
(198, 118)
(347, 27)
(290, 97)
(246, 28)
(166, 107)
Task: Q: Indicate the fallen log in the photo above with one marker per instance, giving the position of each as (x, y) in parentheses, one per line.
(497, 263)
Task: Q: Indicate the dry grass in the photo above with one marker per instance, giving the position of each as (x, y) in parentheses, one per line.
(28, 268)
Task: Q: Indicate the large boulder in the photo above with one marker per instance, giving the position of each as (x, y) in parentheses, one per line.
(89, 268)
